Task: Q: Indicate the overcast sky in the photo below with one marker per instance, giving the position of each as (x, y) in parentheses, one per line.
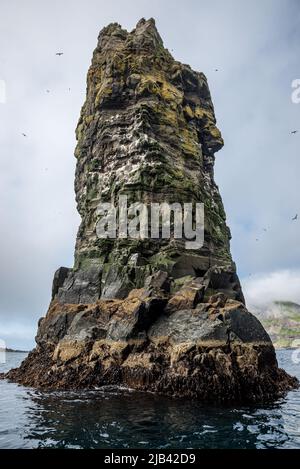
(255, 47)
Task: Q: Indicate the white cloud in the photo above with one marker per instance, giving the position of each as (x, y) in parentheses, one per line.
(275, 286)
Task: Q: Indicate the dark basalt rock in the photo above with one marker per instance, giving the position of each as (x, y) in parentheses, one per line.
(148, 313)
(217, 352)
(82, 286)
(232, 323)
(59, 278)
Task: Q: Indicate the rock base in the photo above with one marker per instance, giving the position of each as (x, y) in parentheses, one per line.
(180, 345)
(211, 373)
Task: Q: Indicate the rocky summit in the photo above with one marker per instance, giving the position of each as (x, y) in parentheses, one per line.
(149, 313)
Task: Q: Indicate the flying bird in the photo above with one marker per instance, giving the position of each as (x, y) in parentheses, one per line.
(59, 53)
(47, 91)
(294, 131)
(295, 217)
(24, 135)
(216, 69)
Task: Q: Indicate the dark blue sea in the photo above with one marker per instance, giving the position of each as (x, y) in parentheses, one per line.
(120, 418)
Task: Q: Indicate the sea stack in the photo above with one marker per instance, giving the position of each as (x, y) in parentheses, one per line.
(149, 313)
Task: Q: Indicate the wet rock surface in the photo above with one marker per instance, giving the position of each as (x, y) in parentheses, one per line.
(148, 313)
(214, 351)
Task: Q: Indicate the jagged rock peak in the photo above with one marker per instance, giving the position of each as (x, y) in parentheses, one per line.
(144, 34)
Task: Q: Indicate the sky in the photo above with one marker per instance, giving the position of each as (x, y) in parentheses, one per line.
(255, 47)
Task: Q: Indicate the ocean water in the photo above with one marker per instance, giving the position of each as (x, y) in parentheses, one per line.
(120, 418)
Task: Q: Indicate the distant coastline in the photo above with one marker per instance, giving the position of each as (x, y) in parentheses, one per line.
(13, 351)
(281, 319)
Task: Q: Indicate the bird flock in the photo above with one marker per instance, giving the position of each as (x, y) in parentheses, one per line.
(59, 54)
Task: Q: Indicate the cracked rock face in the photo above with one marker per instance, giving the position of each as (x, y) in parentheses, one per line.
(149, 313)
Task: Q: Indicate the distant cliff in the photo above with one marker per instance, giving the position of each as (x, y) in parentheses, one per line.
(281, 320)
(148, 312)
(10, 350)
